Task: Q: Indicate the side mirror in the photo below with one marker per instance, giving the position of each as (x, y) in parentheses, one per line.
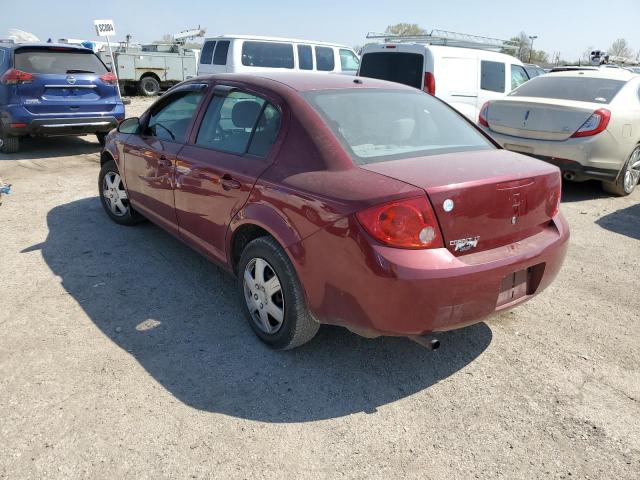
(130, 125)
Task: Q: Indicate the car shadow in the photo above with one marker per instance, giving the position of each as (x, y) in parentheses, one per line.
(625, 221)
(580, 191)
(177, 315)
(50, 147)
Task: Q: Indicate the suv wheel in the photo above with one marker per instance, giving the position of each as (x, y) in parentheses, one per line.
(272, 296)
(114, 197)
(149, 87)
(9, 144)
(628, 177)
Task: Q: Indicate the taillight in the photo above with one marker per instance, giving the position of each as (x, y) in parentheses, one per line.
(429, 83)
(484, 112)
(409, 223)
(15, 77)
(595, 124)
(109, 78)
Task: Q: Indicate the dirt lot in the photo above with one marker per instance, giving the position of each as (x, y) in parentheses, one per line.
(123, 354)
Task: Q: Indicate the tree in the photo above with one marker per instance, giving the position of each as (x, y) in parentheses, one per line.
(586, 55)
(406, 29)
(520, 47)
(620, 48)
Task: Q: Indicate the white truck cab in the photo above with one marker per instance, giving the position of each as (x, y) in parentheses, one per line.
(462, 70)
(247, 54)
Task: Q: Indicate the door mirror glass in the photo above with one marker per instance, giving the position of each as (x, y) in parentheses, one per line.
(130, 125)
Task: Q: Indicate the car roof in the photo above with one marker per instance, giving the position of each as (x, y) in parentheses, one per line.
(604, 73)
(442, 51)
(306, 81)
(274, 39)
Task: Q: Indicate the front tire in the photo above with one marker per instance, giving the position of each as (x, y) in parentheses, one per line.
(114, 197)
(102, 138)
(628, 177)
(272, 297)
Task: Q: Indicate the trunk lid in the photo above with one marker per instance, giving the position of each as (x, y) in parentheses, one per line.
(499, 197)
(540, 119)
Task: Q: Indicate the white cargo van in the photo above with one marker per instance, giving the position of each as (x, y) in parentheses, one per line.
(463, 70)
(246, 54)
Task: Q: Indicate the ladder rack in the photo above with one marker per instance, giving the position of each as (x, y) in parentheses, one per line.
(444, 37)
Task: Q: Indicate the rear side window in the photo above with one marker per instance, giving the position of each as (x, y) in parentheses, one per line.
(305, 57)
(518, 76)
(1, 56)
(266, 131)
(492, 76)
(267, 54)
(229, 122)
(324, 59)
(349, 61)
(207, 52)
(399, 67)
(59, 61)
(581, 89)
(220, 55)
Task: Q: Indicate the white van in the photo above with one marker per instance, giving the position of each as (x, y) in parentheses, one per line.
(465, 78)
(244, 54)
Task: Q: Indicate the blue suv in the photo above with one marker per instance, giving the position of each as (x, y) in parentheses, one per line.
(49, 89)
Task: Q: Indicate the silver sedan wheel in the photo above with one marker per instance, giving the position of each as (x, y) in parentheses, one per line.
(264, 296)
(632, 172)
(115, 195)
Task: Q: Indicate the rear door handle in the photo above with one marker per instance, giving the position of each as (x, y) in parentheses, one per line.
(164, 161)
(228, 182)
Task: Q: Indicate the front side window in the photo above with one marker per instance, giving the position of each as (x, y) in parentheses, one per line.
(349, 61)
(324, 59)
(492, 76)
(207, 52)
(267, 54)
(579, 88)
(376, 125)
(59, 61)
(220, 55)
(239, 123)
(172, 120)
(518, 76)
(305, 57)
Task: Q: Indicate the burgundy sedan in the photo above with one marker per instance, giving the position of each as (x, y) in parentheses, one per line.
(353, 202)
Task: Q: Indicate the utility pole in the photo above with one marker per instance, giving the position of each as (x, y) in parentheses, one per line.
(532, 38)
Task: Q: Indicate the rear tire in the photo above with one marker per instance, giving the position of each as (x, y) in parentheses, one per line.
(149, 86)
(9, 144)
(114, 197)
(628, 177)
(275, 289)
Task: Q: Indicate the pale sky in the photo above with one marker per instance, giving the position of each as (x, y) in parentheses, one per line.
(568, 26)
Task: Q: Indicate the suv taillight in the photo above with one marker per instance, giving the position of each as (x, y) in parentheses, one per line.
(409, 223)
(15, 77)
(482, 117)
(429, 83)
(595, 124)
(109, 78)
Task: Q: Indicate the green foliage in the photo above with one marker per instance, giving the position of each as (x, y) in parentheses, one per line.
(405, 29)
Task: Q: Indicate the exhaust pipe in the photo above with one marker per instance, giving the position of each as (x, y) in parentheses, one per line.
(569, 175)
(431, 343)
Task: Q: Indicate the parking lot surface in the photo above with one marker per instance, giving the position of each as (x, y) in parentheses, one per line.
(123, 353)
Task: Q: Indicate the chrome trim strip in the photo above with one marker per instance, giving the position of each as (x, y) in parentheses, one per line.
(64, 125)
(71, 86)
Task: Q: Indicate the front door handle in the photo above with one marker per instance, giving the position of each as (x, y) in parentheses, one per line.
(228, 182)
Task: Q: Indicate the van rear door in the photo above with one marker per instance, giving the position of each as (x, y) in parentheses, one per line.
(396, 63)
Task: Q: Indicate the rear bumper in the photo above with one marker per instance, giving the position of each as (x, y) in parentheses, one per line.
(63, 126)
(372, 289)
(599, 157)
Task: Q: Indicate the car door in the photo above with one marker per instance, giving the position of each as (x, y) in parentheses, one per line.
(216, 171)
(149, 158)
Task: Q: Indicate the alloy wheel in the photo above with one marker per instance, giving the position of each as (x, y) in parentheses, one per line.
(263, 295)
(632, 172)
(114, 194)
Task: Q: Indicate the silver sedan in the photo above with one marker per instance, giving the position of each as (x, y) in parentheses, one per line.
(585, 122)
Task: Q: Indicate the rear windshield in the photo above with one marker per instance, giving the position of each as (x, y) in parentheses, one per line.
(581, 89)
(376, 125)
(267, 54)
(58, 61)
(397, 67)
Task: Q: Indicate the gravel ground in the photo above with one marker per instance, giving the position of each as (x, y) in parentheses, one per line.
(123, 354)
